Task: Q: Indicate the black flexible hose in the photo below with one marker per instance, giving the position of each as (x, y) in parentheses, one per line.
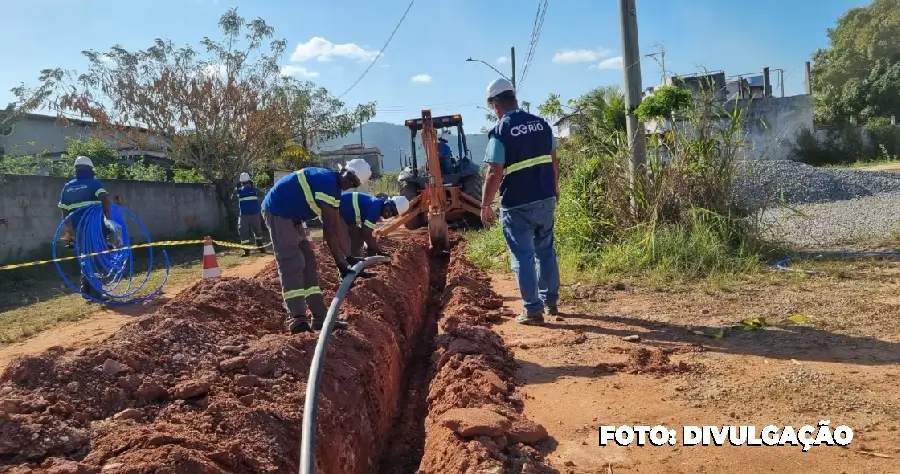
(311, 405)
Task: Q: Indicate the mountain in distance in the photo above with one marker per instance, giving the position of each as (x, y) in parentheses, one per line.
(393, 141)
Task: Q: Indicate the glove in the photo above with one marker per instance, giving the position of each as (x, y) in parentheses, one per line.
(345, 270)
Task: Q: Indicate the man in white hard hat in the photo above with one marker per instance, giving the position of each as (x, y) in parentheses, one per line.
(522, 165)
(79, 194)
(305, 195)
(249, 220)
(361, 212)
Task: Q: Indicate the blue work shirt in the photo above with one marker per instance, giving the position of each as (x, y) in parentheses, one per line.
(80, 193)
(248, 200)
(361, 209)
(522, 142)
(299, 196)
(444, 149)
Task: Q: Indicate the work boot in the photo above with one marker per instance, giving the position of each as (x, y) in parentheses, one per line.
(299, 324)
(530, 319)
(338, 325)
(552, 309)
(259, 243)
(246, 253)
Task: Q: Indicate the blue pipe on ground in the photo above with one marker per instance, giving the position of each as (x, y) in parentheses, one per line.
(785, 264)
(111, 273)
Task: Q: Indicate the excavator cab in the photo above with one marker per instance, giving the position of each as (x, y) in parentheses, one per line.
(436, 199)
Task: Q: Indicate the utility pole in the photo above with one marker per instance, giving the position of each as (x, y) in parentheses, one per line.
(512, 60)
(631, 58)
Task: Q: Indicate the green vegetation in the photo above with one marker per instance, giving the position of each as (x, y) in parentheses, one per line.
(856, 89)
(682, 225)
(858, 75)
(386, 184)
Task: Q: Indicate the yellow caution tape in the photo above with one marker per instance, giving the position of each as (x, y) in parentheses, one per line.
(165, 243)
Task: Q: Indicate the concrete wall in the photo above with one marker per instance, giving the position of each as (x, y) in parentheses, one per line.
(771, 125)
(168, 210)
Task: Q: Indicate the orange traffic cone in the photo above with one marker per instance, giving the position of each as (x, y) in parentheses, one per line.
(210, 264)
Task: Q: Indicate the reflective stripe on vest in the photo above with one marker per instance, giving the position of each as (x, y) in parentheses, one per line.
(78, 205)
(249, 198)
(538, 160)
(307, 192)
(356, 210)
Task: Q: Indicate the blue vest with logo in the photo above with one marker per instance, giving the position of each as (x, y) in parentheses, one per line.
(79, 194)
(248, 200)
(528, 168)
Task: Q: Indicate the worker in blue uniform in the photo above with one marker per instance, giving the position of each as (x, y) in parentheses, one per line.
(301, 196)
(78, 195)
(249, 220)
(361, 212)
(445, 155)
(523, 167)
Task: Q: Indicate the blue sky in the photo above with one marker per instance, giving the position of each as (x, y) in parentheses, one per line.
(332, 41)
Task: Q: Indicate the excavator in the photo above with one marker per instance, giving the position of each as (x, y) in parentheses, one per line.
(439, 199)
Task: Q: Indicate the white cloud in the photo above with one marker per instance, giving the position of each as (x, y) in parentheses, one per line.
(421, 78)
(611, 63)
(502, 59)
(297, 71)
(570, 56)
(105, 58)
(321, 49)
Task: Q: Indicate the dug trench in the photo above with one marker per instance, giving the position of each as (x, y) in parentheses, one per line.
(211, 383)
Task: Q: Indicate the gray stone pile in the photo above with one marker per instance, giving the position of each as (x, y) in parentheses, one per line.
(813, 207)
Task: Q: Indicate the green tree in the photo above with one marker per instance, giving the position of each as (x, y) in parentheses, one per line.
(552, 108)
(858, 75)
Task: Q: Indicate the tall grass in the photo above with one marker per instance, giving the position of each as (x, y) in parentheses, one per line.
(677, 223)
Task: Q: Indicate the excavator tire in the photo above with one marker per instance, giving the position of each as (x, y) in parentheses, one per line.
(473, 185)
(410, 191)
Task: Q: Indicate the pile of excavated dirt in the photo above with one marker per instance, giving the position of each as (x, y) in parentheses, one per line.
(643, 361)
(475, 422)
(212, 383)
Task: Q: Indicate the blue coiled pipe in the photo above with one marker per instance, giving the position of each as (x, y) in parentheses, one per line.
(111, 273)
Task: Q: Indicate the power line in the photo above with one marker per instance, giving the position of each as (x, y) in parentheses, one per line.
(535, 37)
(380, 53)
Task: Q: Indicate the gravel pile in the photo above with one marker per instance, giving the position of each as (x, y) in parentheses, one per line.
(819, 207)
(765, 183)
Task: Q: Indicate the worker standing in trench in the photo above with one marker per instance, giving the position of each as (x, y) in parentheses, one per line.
(305, 195)
(78, 195)
(249, 220)
(361, 212)
(523, 166)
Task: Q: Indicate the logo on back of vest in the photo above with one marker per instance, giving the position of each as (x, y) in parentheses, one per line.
(525, 129)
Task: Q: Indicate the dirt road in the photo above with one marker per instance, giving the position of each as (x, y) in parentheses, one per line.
(104, 322)
(579, 373)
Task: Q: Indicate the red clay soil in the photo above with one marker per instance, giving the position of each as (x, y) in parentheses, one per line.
(475, 422)
(212, 383)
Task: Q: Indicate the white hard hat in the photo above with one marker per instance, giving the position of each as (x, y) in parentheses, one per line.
(83, 161)
(244, 177)
(360, 168)
(498, 86)
(402, 204)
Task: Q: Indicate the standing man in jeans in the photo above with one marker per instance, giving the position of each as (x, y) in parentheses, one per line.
(522, 165)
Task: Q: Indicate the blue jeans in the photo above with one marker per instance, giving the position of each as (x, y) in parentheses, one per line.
(528, 231)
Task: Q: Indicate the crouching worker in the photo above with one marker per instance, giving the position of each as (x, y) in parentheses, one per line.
(361, 212)
(303, 196)
(77, 196)
(249, 221)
